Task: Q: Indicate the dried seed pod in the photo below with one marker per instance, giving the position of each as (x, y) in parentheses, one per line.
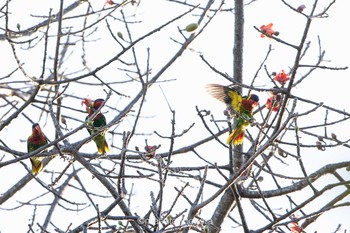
(334, 136)
(301, 8)
(320, 146)
(281, 152)
(276, 33)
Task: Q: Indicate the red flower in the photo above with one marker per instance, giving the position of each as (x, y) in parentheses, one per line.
(268, 31)
(87, 102)
(274, 102)
(151, 151)
(282, 77)
(294, 226)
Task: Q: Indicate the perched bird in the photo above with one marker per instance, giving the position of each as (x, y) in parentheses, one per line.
(97, 122)
(237, 105)
(35, 141)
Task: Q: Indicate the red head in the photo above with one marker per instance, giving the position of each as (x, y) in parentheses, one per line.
(251, 102)
(36, 130)
(96, 104)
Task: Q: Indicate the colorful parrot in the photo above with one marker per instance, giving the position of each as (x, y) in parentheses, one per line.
(35, 141)
(237, 105)
(98, 121)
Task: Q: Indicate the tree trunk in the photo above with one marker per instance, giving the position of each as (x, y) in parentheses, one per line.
(228, 200)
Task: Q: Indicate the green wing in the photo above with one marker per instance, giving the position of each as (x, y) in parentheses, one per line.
(37, 165)
(100, 140)
(33, 146)
(99, 121)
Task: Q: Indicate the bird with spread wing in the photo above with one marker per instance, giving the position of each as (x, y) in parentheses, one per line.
(240, 106)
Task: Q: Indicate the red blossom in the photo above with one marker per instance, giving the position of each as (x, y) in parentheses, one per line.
(282, 77)
(274, 102)
(268, 31)
(151, 151)
(87, 102)
(294, 226)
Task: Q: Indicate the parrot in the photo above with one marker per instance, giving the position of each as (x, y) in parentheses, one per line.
(241, 106)
(98, 121)
(36, 140)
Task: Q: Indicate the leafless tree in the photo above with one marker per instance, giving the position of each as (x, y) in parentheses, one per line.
(169, 169)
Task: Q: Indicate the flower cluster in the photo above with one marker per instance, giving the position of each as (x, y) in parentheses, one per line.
(87, 101)
(151, 151)
(294, 226)
(268, 31)
(282, 77)
(274, 102)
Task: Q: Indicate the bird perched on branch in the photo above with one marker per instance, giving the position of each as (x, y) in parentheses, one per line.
(96, 123)
(36, 140)
(241, 107)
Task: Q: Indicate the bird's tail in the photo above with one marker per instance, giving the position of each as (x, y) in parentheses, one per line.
(37, 165)
(236, 137)
(103, 148)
